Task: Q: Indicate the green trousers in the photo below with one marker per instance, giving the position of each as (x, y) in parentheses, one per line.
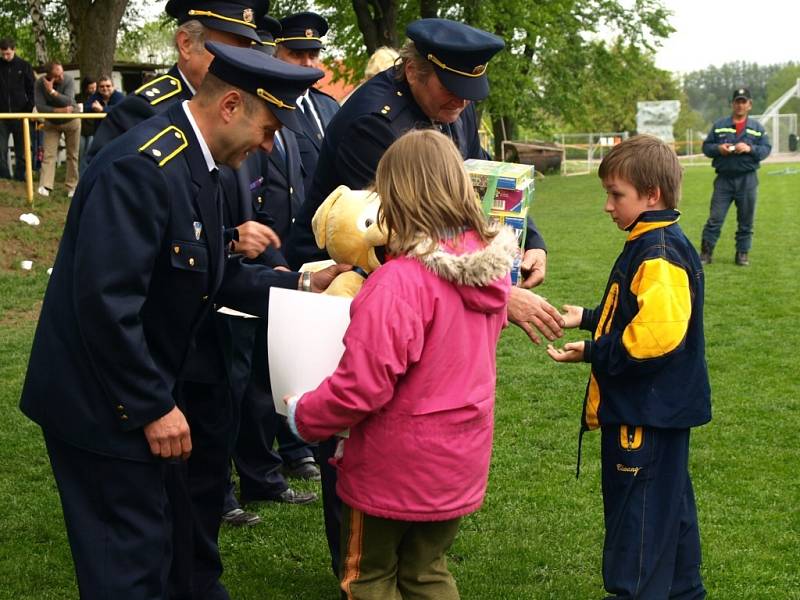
(384, 559)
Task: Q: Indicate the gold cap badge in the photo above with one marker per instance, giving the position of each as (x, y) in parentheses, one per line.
(309, 33)
(247, 15)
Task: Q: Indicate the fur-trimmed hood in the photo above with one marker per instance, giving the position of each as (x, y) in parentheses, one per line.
(479, 271)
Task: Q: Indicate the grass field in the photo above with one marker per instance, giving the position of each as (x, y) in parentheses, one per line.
(539, 534)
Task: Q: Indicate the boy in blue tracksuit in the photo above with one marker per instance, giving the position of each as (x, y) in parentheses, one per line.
(736, 145)
(649, 380)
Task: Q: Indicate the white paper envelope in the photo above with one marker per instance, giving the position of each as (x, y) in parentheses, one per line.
(304, 340)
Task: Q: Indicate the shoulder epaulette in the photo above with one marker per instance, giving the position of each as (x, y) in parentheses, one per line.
(160, 89)
(392, 106)
(165, 145)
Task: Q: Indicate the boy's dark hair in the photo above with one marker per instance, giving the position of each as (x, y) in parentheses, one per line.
(6, 43)
(646, 163)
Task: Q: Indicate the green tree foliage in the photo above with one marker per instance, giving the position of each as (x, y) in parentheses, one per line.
(15, 22)
(618, 76)
(782, 80)
(62, 41)
(709, 90)
(152, 42)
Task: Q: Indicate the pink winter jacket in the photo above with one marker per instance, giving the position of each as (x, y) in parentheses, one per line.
(416, 383)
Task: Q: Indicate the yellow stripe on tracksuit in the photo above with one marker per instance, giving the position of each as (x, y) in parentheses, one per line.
(665, 306)
(603, 327)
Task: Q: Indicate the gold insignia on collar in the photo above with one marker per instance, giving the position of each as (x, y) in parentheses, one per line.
(247, 15)
(479, 70)
(309, 33)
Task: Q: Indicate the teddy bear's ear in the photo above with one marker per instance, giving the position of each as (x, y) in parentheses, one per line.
(320, 221)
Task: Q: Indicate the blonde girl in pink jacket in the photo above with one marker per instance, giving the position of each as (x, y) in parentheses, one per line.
(416, 383)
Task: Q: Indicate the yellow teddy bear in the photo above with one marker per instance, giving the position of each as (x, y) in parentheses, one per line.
(346, 225)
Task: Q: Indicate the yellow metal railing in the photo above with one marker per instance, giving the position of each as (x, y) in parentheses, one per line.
(26, 138)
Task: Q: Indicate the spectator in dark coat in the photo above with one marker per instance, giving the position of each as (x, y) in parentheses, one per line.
(16, 95)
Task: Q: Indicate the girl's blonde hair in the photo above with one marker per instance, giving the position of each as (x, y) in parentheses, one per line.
(426, 195)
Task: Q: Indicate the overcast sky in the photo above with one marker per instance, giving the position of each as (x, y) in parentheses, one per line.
(713, 32)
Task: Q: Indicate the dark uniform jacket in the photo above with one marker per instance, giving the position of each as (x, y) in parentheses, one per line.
(152, 98)
(724, 132)
(283, 189)
(377, 114)
(16, 85)
(309, 141)
(140, 264)
(648, 347)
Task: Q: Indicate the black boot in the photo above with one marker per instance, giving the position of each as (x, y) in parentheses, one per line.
(741, 259)
(706, 250)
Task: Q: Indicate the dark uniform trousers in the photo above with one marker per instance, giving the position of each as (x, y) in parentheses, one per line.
(107, 519)
(652, 543)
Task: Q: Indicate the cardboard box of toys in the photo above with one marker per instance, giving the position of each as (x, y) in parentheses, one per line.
(506, 193)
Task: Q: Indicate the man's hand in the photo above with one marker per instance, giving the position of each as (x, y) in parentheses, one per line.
(320, 280)
(48, 84)
(96, 106)
(571, 352)
(169, 436)
(254, 239)
(533, 267)
(725, 149)
(525, 307)
(741, 148)
(572, 316)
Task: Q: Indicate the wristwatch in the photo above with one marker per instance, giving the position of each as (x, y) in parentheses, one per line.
(304, 285)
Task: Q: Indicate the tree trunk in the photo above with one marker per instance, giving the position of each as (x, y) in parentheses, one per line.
(377, 21)
(95, 25)
(37, 18)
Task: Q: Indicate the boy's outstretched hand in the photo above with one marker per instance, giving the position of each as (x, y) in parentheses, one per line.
(571, 352)
(572, 316)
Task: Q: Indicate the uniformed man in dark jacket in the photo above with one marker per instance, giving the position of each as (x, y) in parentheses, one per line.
(443, 70)
(142, 260)
(199, 21)
(300, 43)
(736, 145)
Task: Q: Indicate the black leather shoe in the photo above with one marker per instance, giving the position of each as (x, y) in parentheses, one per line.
(742, 260)
(706, 250)
(307, 470)
(290, 496)
(240, 518)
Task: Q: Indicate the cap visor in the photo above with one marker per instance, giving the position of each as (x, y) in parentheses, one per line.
(468, 88)
(303, 44)
(240, 30)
